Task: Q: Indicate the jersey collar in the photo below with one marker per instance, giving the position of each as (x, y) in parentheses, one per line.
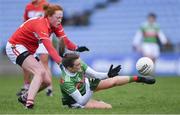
(68, 72)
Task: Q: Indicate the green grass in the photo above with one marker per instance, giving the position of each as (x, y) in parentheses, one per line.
(161, 98)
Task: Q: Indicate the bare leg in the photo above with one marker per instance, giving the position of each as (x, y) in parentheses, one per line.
(40, 76)
(27, 79)
(112, 82)
(27, 74)
(106, 84)
(91, 104)
(44, 60)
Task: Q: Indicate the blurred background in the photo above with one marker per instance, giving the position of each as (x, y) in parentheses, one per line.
(107, 28)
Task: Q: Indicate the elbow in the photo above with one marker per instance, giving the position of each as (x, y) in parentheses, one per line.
(81, 102)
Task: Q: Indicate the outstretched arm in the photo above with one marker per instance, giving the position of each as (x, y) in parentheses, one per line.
(51, 50)
(94, 74)
(137, 40)
(71, 46)
(68, 43)
(99, 75)
(162, 37)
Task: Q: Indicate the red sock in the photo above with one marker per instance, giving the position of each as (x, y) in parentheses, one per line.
(135, 78)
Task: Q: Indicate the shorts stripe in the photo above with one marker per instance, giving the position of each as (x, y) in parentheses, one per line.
(17, 51)
(14, 52)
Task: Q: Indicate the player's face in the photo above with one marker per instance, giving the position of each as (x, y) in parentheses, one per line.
(151, 20)
(77, 66)
(56, 18)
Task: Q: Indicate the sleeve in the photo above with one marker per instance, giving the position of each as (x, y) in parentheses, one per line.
(92, 73)
(162, 37)
(51, 50)
(138, 38)
(61, 35)
(82, 100)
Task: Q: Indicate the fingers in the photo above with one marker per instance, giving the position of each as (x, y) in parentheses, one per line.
(85, 48)
(111, 67)
(118, 68)
(82, 49)
(114, 71)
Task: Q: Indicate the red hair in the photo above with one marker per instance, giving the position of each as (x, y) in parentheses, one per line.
(51, 8)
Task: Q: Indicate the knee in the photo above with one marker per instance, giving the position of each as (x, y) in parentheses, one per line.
(44, 76)
(47, 79)
(105, 105)
(40, 73)
(109, 106)
(47, 82)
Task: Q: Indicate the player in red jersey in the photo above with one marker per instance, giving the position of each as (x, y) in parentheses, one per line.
(35, 9)
(23, 43)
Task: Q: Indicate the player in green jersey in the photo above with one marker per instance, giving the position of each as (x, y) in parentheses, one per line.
(147, 37)
(78, 82)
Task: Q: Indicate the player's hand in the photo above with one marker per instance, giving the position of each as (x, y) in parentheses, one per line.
(82, 49)
(113, 71)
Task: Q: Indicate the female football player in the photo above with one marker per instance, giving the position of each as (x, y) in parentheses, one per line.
(147, 37)
(78, 82)
(35, 9)
(23, 43)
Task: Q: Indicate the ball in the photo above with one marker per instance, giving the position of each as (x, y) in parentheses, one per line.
(145, 66)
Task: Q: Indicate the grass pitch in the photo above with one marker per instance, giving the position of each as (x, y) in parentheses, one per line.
(161, 98)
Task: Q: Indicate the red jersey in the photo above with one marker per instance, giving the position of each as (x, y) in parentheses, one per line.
(34, 30)
(33, 10)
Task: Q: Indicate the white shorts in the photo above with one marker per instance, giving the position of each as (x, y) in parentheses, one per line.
(41, 49)
(151, 49)
(13, 51)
